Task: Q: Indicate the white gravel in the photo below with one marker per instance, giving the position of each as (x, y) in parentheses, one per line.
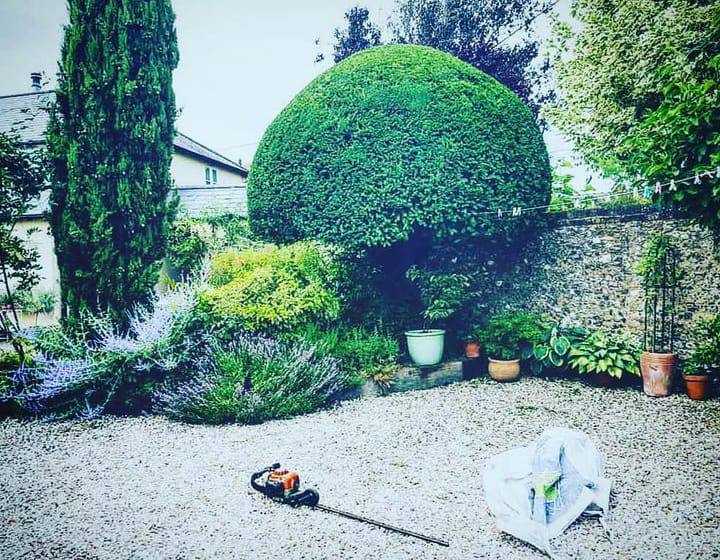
(150, 488)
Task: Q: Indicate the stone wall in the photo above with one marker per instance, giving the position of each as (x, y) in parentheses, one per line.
(582, 271)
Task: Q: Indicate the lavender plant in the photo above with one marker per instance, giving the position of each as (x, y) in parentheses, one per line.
(97, 368)
(253, 379)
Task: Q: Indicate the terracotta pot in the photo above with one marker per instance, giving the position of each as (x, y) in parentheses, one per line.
(504, 370)
(698, 386)
(657, 373)
(472, 349)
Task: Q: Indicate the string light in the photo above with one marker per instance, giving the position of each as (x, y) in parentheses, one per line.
(517, 211)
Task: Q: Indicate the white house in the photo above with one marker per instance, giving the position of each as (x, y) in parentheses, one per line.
(205, 180)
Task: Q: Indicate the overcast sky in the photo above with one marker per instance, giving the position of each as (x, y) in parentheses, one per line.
(241, 61)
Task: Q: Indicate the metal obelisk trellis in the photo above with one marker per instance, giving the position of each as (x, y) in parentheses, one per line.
(660, 295)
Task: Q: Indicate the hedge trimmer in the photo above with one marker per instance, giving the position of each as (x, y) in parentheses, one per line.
(283, 486)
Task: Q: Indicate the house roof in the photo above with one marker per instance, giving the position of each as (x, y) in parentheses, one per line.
(27, 114)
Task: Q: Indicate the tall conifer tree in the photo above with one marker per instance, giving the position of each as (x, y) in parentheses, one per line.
(110, 141)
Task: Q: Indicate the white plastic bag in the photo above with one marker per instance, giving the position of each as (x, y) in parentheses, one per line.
(536, 492)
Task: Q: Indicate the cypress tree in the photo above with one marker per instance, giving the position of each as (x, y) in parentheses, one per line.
(110, 142)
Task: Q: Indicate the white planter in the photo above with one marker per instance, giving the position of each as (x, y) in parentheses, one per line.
(426, 346)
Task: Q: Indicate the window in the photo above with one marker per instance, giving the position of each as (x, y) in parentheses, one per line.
(207, 175)
(214, 173)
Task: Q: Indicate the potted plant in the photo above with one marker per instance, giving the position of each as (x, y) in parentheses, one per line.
(504, 338)
(659, 270)
(605, 357)
(442, 295)
(472, 343)
(704, 359)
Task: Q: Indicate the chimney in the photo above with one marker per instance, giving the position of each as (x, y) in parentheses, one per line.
(35, 78)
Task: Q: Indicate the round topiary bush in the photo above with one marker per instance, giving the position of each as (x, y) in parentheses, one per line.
(393, 140)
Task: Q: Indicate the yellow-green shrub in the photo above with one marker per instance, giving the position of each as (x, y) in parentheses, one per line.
(272, 288)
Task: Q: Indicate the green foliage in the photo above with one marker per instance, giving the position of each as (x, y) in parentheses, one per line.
(682, 136)
(187, 247)
(473, 31)
(442, 294)
(602, 352)
(362, 353)
(551, 351)
(393, 140)
(21, 181)
(644, 99)
(656, 253)
(272, 289)
(110, 142)
(705, 357)
(661, 275)
(505, 335)
(359, 35)
(227, 231)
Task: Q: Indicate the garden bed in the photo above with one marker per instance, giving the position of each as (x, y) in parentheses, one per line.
(148, 487)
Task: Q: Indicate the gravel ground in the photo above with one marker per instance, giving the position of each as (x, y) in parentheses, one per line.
(150, 488)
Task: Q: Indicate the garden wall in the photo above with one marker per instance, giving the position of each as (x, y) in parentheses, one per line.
(582, 270)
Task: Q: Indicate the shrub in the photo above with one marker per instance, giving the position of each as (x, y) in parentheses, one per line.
(187, 247)
(251, 380)
(393, 140)
(505, 335)
(273, 288)
(361, 353)
(705, 357)
(94, 368)
(601, 353)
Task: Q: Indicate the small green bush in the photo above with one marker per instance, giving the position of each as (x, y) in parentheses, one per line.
(273, 288)
(187, 246)
(705, 357)
(507, 334)
(361, 353)
(602, 352)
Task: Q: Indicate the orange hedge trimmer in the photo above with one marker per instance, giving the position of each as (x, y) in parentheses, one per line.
(284, 486)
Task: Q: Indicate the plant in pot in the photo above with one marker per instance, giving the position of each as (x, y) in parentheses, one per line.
(661, 275)
(442, 295)
(472, 342)
(704, 360)
(504, 337)
(551, 352)
(605, 357)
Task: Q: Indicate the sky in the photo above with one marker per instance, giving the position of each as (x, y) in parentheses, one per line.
(241, 61)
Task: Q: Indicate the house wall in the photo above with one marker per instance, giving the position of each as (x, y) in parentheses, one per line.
(582, 271)
(39, 237)
(186, 170)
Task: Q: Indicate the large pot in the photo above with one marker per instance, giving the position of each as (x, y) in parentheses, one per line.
(504, 370)
(472, 349)
(657, 373)
(426, 346)
(698, 386)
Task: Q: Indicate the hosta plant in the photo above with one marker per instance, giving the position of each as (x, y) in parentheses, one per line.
(603, 353)
(552, 351)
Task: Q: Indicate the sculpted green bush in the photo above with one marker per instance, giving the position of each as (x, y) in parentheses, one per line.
(393, 140)
(273, 288)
